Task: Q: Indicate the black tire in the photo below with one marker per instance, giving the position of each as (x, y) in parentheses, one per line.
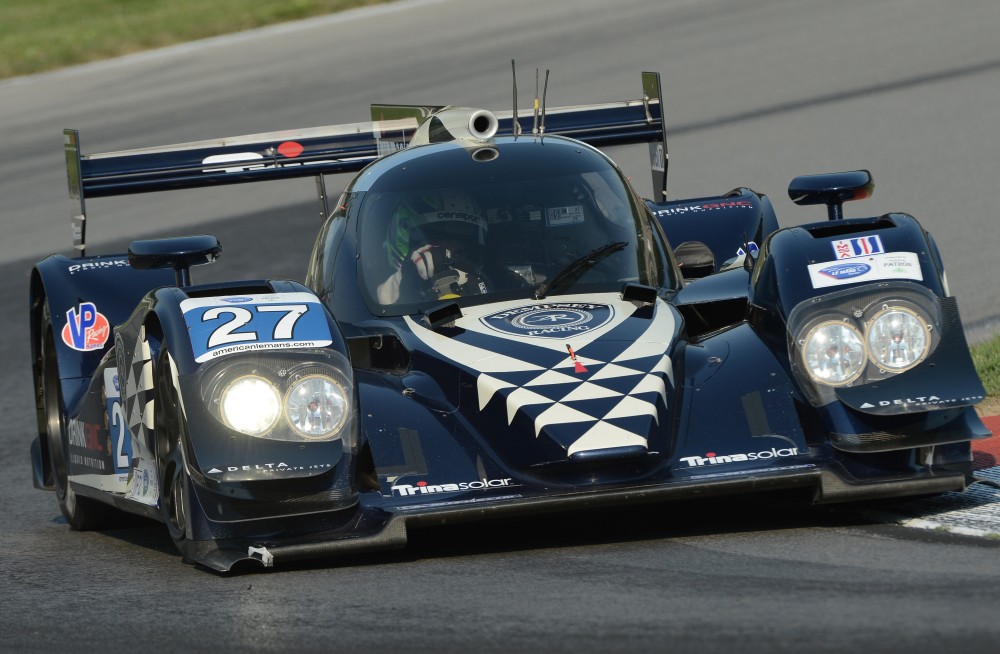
(175, 498)
(81, 513)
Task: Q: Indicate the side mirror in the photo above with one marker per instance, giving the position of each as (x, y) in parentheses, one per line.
(179, 253)
(831, 189)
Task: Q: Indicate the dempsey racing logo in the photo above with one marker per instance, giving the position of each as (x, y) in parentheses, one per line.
(553, 320)
(711, 458)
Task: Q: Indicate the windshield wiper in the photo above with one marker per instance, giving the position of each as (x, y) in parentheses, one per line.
(575, 268)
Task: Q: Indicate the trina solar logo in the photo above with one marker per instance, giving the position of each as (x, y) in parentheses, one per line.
(711, 458)
(423, 488)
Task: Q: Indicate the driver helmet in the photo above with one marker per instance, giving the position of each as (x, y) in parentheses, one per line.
(450, 219)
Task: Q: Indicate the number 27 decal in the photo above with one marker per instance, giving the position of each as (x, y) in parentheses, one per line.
(219, 326)
(226, 333)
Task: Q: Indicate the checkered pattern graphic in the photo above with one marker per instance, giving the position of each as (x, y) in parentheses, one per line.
(604, 393)
(138, 376)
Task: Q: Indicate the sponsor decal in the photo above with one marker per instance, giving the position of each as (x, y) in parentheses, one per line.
(268, 467)
(922, 401)
(84, 434)
(711, 458)
(290, 149)
(554, 320)
(144, 487)
(246, 161)
(86, 328)
(877, 267)
(98, 265)
(274, 321)
(423, 488)
(845, 270)
(751, 246)
(706, 206)
(862, 246)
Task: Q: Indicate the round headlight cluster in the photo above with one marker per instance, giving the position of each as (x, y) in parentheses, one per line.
(316, 406)
(895, 338)
(313, 407)
(250, 404)
(834, 352)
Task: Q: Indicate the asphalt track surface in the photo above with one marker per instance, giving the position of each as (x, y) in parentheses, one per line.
(757, 91)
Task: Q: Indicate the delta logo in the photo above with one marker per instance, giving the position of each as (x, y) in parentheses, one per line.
(86, 328)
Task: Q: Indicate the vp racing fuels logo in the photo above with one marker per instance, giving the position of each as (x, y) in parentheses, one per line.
(86, 328)
(555, 320)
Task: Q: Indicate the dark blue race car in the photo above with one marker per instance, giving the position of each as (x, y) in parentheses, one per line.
(492, 323)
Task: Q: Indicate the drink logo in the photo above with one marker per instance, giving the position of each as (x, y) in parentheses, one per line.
(556, 320)
(857, 247)
(845, 270)
(86, 328)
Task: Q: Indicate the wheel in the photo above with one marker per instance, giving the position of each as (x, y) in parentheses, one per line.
(81, 513)
(168, 423)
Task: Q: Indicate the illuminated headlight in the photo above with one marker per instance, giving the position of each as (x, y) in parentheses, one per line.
(834, 353)
(300, 397)
(316, 406)
(250, 404)
(898, 338)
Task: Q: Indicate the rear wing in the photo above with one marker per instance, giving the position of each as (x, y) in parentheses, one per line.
(315, 152)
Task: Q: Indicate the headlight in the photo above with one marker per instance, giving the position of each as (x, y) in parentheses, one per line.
(898, 338)
(250, 404)
(861, 336)
(316, 406)
(298, 396)
(834, 353)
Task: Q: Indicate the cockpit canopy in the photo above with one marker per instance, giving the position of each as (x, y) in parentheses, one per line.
(536, 217)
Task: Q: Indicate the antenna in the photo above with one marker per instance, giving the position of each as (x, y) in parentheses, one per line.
(516, 126)
(545, 91)
(534, 125)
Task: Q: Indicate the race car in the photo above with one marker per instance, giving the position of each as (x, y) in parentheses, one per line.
(493, 322)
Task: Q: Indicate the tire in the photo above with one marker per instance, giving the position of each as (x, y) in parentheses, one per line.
(81, 513)
(175, 497)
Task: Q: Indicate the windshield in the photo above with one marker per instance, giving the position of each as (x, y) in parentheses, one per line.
(484, 237)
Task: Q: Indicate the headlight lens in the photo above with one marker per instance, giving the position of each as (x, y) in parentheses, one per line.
(250, 404)
(316, 406)
(269, 395)
(898, 338)
(834, 352)
(861, 335)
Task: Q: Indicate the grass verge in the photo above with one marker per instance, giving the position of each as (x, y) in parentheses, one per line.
(986, 356)
(47, 34)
